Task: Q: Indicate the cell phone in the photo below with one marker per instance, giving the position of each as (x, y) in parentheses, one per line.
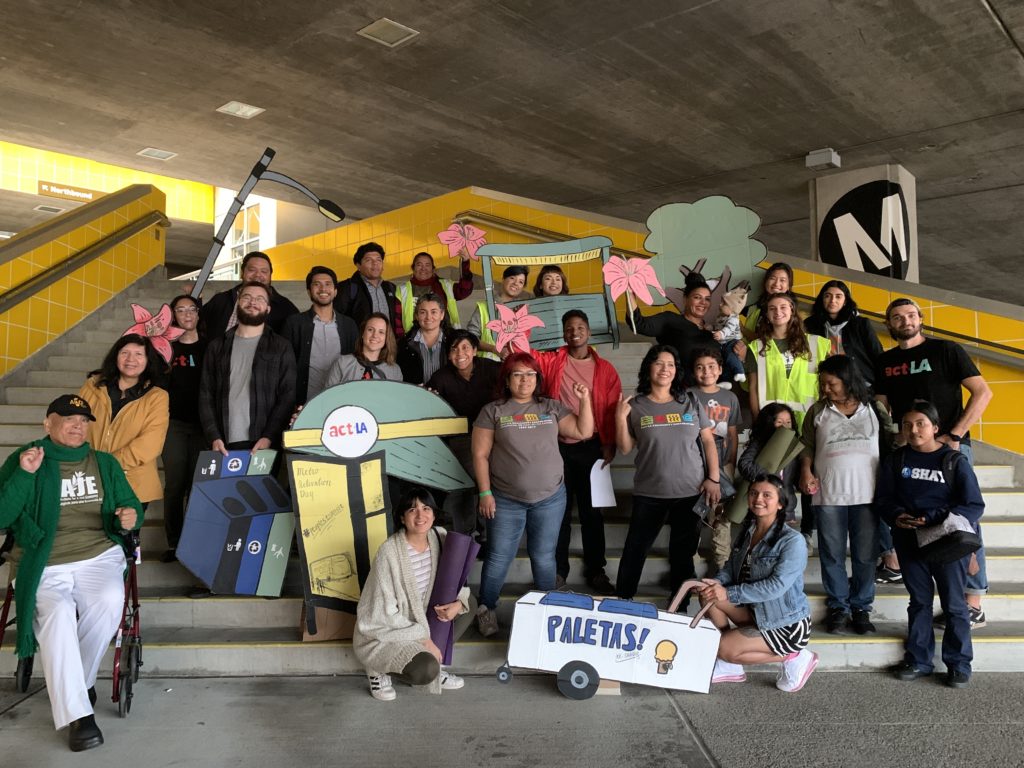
(702, 509)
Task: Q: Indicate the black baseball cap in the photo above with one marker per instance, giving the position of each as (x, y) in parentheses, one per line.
(70, 405)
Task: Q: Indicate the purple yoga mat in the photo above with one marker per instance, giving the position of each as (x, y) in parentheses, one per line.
(457, 559)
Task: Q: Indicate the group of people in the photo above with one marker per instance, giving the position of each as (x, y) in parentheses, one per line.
(540, 421)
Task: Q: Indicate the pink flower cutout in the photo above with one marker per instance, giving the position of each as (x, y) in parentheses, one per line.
(157, 327)
(513, 327)
(462, 240)
(633, 275)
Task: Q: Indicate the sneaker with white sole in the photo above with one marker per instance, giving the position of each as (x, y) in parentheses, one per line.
(740, 378)
(486, 621)
(796, 671)
(727, 672)
(977, 617)
(381, 688)
(450, 682)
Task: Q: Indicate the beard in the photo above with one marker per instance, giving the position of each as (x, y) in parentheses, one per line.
(905, 333)
(256, 317)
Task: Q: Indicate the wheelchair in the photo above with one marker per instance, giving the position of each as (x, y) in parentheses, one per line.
(127, 640)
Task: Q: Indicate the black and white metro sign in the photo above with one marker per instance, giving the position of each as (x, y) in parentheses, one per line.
(868, 229)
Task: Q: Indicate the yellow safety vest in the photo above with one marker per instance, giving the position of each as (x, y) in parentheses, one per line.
(405, 295)
(799, 389)
(486, 337)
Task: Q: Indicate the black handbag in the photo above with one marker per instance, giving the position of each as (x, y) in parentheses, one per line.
(946, 542)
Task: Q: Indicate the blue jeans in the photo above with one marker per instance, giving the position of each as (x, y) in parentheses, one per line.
(921, 580)
(541, 521)
(731, 365)
(978, 583)
(835, 525)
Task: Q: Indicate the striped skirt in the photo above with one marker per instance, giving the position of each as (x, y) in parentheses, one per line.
(790, 639)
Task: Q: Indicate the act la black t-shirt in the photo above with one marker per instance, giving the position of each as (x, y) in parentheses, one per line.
(931, 371)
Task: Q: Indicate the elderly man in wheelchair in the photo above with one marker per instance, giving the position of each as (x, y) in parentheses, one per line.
(66, 505)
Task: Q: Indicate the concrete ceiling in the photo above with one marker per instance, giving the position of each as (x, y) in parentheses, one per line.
(606, 106)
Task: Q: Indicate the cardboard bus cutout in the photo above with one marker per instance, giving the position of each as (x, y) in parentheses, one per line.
(600, 307)
(238, 526)
(345, 444)
(585, 639)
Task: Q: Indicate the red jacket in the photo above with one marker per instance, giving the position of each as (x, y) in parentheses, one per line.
(605, 395)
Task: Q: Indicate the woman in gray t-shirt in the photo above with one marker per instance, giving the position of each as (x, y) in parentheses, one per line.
(676, 463)
(519, 472)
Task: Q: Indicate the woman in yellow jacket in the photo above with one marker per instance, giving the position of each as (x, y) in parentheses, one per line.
(131, 412)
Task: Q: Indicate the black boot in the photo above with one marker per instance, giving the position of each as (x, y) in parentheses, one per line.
(84, 734)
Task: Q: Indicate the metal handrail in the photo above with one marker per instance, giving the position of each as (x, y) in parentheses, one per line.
(62, 269)
(990, 349)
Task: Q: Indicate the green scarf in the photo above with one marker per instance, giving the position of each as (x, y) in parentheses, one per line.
(35, 528)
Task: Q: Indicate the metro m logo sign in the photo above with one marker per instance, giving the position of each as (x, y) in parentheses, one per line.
(866, 220)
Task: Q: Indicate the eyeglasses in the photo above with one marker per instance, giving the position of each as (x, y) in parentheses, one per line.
(185, 311)
(259, 301)
(521, 375)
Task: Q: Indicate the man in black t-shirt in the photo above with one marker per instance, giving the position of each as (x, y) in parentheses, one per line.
(934, 370)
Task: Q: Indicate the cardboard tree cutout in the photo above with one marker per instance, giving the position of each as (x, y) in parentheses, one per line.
(238, 525)
(354, 436)
(713, 234)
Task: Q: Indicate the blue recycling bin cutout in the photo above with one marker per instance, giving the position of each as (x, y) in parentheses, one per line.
(238, 526)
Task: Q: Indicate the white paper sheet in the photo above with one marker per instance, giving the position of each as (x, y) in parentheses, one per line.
(602, 494)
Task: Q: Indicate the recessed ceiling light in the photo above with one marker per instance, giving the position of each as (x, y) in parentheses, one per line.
(240, 109)
(388, 32)
(49, 209)
(156, 154)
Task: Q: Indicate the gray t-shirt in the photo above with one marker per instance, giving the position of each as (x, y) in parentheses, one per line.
(525, 462)
(325, 350)
(723, 411)
(668, 458)
(243, 351)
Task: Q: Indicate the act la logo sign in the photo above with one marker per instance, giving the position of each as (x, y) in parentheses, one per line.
(868, 229)
(349, 431)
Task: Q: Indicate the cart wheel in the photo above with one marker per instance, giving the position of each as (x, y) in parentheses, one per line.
(504, 674)
(578, 680)
(124, 697)
(23, 674)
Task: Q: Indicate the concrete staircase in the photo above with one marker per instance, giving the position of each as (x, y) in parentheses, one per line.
(225, 636)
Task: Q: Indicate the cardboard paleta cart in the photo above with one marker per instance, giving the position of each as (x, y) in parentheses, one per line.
(585, 639)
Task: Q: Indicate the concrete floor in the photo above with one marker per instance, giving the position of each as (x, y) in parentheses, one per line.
(840, 719)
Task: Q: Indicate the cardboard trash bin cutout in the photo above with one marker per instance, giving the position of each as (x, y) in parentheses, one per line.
(238, 525)
(599, 306)
(714, 235)
(354, 437)
(585, 639)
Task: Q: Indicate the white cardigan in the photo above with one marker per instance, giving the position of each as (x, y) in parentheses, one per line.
(391, 620)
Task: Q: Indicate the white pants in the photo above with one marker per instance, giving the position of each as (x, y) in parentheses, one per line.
(71, 648)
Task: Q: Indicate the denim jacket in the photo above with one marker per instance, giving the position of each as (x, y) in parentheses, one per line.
(775, 592)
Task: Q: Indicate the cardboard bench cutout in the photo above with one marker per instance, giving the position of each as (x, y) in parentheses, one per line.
(600, 307)
(585, 639)
(238, 525)
(354, 437)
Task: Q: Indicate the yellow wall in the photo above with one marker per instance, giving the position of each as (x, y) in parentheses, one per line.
(30, 325)
(21, 168)
(1003, 422)
(406, 231)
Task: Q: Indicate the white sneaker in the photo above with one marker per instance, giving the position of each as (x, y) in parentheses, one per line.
(450, 682)
(727, 672)
(486, 621)
(739, 378)
(725, 385)
(381, 688)
(796, 671)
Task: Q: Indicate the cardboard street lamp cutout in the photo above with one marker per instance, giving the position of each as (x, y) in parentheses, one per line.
(585, 639)
(354, 436)
(548, 310)
(713, 234)
(238, 526)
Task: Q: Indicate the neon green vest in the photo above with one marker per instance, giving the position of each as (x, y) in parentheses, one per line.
(486, 337)
(405, 295)
(798, 390)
